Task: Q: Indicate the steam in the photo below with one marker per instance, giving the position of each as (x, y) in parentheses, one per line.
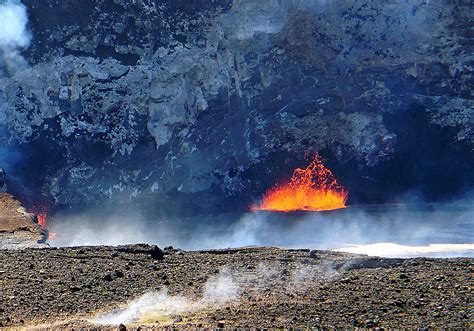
(217, 291)
(395, 250)
(392, 230)
(97, 229)
(227, 287)
(158, 302)
(14, 36)
(220, 289)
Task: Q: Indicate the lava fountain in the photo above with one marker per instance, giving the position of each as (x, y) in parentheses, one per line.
(41, 219)
(40, 212)
(314, 188)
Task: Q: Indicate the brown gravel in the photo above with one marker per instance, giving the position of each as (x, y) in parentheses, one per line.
(279, 288)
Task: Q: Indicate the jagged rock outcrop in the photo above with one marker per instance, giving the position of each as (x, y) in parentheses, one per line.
(151, 99)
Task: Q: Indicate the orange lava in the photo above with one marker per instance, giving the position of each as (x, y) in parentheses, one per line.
(314, 188)
(41, 219)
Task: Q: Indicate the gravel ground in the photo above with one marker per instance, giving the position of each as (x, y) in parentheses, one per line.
(271, 287)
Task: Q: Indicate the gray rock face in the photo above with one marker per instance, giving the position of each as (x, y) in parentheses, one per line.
(142, 100)
(3, 181)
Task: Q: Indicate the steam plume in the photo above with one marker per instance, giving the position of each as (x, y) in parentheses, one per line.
(14, 36)
(218, 290)
(394, 230)
(230, 285)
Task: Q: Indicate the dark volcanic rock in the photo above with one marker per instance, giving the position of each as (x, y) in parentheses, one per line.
(163, 100)
(107, 277)
(372, 262)
(152, 250)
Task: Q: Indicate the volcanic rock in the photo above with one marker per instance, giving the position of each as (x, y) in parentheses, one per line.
(75, 288)
(152, 250)
(156, 253)
(180, 103)
(311, 294)
(371, 262)
(18, 228)
(107, 277)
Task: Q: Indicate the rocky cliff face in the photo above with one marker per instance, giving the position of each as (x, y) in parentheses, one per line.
(19, 229)
(217, 100)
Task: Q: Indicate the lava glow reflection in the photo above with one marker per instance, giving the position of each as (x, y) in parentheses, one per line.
(314, 188)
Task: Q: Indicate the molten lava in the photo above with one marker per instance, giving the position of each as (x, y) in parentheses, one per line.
(40, 212)
(314, 188)
(41, 219)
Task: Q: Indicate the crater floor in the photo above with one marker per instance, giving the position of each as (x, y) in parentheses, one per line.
(247, 287)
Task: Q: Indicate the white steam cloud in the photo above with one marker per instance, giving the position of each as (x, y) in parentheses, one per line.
(13, 31)
(157, 302)
(217, 291)
(393, 230)
(228, 287)
(14, 36)
(396, 250)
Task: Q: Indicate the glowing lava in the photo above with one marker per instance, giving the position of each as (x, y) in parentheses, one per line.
(41, 219)
(40, 212)
(314, 188)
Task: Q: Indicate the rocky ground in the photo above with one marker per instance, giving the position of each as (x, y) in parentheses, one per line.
(271, 287)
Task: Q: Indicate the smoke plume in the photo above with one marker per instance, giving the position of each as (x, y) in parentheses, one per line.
(14, 36)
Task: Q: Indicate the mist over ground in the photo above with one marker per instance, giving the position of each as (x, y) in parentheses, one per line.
(388, 230)
(227, 286)
(353, 94)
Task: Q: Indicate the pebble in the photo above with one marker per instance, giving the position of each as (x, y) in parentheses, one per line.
(107, 277)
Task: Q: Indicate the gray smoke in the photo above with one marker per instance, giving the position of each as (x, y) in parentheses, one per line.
(14, 36)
